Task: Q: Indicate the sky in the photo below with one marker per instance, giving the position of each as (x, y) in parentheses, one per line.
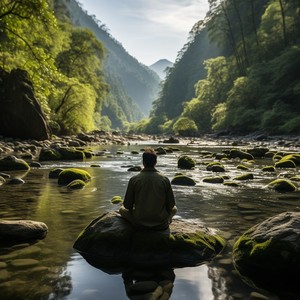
(149, 30)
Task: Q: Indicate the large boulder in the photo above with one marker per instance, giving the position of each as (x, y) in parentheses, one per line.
(21, 231)
(269, 252)
(21, 115)
(68, 175)
(112, 241)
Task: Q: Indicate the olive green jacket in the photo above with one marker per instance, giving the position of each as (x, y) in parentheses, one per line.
(150, 197)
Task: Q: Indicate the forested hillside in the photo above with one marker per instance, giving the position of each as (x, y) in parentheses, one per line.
(65, 63)
(239, 72)
(122, 71)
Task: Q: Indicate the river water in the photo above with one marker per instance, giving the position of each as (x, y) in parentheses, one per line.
(52, 269)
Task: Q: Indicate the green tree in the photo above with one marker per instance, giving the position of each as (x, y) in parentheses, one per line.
(185, 127)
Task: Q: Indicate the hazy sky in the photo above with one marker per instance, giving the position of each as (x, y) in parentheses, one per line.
(148, 29)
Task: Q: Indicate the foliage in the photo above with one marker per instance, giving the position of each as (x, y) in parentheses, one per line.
(254, 84)
(185, 126)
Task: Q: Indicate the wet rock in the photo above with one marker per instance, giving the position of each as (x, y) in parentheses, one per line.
(183, 180)
(76, 184)
(215, 167)
(16, 181)
(68, 175)
(135, 169)
(10, 163)
(235, 153)
(35, 164)
(4, 175)
(54, 173)
(186, 162)
(21, 231)
(217, 179)
(258, 152)
(247, 176)
(285, 164)
(111, 241)
(282, 185)
(171, 140)
(268, 169)
(269, 252)
(48, 154)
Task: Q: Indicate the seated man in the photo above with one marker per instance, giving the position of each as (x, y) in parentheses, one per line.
(149, 201)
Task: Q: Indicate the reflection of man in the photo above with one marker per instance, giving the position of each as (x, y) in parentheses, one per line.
(149, 201)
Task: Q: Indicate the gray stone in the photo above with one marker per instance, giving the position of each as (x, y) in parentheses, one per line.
(22, 230)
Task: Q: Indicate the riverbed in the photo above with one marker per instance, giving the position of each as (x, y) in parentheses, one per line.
(52, 269)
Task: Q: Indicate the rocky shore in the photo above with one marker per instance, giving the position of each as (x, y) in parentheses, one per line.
(31, 148)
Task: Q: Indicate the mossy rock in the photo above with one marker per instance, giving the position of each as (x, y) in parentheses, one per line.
(48, 154)
(87, 153)
(220, 156)
(76, 184)
(295, 178)
(268, 169)
(295, 157)
(71, 153)
(68, 175)
(282, 185)
(258, 152)
(183, 180)
(247, 176)
(242, 167)
(217, 179)
(231, 183)
(116, 200)
(160, 151)
(135, 169)
(236, 153)
(215, 167)
(288, 164)
(186, 162)
(111, 241)
(54, 173)
(134, 152)
(268, 253)
(11, 163)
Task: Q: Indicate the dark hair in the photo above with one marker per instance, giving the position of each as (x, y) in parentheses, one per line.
(149, 157)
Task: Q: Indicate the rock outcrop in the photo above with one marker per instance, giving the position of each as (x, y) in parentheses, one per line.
(21, 115)
(112, 241)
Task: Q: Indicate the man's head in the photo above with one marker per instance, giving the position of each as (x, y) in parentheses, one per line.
(149, 158)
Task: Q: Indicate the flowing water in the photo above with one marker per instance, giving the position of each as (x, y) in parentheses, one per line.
(52, 269)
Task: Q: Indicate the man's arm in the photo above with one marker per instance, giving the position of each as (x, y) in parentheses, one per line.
(129, 196)
(170, 197)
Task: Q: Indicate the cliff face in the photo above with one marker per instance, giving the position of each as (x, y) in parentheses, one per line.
(20, 113)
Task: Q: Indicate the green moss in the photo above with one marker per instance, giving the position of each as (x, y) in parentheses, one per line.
(68, 175)
(242, 167)
(116, 200)
(295, 178)
(215, 167)
(71, 153)
(295, 157)
(285, 164)
(231, 183)
(49, 155)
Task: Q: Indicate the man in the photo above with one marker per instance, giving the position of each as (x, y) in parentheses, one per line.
(149, 201)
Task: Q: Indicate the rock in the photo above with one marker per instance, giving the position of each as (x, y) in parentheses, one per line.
(282, 185)
(295, 157)
(68, 175)
(285, 164)
(10, 163)
(35, 164)
(242, 167)
(171, 140)
(16, 181)
(269, 251)
(217, 179)
(235, 153)
(21, 231)
(247, 176)
(186, 162)
(54, 173)
(135, 169)
(4, 175)
(111, 241)
(231, 183)
(258, 152)
(76, 184)
(160, 151)
(48, 154)
(183, 180)
(268, 169)
(71, 153)
(215, 167)
(21, 115)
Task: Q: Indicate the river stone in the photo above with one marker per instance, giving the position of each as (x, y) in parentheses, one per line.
(236, 153)
(183, 180)
(282, 185)
(269, 252)
(21, 231)
(186, 162)
(68, 175)
(111, 241)
(10, 162)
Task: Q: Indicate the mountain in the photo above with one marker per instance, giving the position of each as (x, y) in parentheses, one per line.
(160, 67)
(133, 86)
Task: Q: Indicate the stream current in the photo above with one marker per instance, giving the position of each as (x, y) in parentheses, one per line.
(52, 269)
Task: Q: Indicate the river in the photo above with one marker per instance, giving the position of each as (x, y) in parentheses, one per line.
(52, 269)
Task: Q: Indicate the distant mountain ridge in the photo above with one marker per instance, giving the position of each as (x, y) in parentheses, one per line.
(160, 67)
(133, 85)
